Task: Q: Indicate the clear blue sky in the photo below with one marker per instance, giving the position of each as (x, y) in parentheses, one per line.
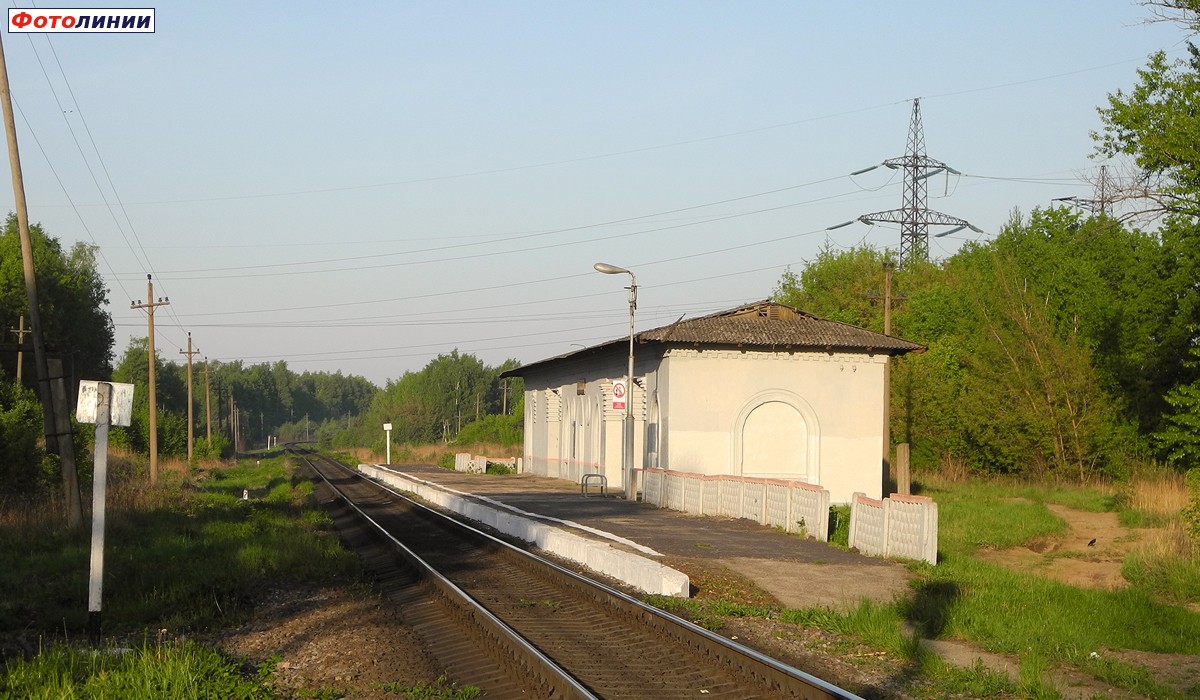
(359, 187)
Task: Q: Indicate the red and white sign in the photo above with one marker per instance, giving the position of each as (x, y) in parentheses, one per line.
(619, 395)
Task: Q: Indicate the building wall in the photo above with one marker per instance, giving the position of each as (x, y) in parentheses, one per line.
(587, 436)
(824, 411)
(808, 416)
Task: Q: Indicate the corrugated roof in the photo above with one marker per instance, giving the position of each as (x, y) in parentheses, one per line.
(770, 324)
(764, 324)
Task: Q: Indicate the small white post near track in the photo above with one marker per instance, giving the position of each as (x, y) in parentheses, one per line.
(105, 404)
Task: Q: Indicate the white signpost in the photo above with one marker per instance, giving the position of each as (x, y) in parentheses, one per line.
(105, 404)
(387, 438)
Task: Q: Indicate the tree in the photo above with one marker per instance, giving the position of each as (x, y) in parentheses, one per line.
(170, 395)
(71, 294)
(1179, 437)
(1056, 417)
(839, 286)
(1158, 125)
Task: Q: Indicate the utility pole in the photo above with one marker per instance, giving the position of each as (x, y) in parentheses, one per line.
(189, 354)
(20, 333)
(888, 266)
(207, 405)
(889, 300)
(66, 448)
(233, 423)
(914, 216)
(149, 306)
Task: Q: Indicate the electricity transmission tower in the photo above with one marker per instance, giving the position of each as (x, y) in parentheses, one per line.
(1103, 201)
(914, 216)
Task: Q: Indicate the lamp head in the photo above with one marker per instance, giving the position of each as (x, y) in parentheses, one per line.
(610, 269)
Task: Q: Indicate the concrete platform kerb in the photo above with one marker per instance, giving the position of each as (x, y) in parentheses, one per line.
(637, 570)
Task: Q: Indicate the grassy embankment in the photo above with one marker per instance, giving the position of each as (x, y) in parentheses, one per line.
(183, 557)
(1043, 623)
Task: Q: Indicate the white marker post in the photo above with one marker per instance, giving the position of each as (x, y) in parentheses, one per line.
(387, 439)
(104, 404)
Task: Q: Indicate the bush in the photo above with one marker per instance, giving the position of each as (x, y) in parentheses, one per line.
(1191, 514)
(502, 430)
(839, 525)
(20, 428)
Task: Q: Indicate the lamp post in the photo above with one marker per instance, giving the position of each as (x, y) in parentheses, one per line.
(627, 459)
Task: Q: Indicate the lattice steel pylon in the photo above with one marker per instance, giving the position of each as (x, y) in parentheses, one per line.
(915, 217)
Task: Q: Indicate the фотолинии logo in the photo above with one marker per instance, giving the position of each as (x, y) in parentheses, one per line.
(124, 20)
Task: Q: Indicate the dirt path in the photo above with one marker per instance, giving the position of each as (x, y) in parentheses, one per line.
(1088, 554)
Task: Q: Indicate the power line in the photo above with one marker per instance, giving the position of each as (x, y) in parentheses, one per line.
(539, 234)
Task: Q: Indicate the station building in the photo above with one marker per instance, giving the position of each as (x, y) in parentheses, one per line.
(761, 390)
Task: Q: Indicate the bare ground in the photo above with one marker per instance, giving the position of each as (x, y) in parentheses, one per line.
(339, 641)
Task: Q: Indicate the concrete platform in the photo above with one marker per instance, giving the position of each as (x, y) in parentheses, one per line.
(798, 572)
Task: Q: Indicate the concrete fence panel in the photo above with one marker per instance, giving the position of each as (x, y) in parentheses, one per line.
(711, 501)
(693, 496)
(791, 505)
(730, 500)
(898, 526)
(652, 486)
(867, 525)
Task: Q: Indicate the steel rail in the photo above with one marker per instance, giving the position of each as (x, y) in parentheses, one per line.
(552, 680)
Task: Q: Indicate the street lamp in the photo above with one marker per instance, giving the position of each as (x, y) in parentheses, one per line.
(627, 460)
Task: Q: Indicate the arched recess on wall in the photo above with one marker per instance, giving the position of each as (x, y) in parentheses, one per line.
(776, 434)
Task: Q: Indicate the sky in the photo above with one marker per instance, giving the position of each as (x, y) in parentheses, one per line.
(359, 187)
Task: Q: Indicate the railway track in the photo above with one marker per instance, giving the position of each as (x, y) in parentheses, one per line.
(519, 626)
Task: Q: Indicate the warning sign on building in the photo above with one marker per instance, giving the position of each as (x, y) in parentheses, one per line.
(619, 395)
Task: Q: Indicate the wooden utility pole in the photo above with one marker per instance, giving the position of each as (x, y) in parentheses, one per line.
(189, 354)
(231, 433)
(888, 267)
(20, 333)
(66, 448)
(149, 306)
(207, 405)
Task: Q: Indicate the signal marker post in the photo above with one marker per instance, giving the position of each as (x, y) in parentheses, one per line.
(387, 438)
(105, 404)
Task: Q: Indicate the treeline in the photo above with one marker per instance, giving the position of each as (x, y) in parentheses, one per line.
(454, 398)
(454, 395)
(269, 398)
(1065, 347)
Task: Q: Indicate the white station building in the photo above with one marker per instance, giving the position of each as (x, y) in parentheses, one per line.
(762, 390)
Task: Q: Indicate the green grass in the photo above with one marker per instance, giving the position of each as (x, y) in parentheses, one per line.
(1174, 579)
(1039, 621)
(185, 670)
(441, 689)
(185, 556)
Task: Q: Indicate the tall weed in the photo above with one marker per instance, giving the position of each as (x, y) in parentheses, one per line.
(1167, 564)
